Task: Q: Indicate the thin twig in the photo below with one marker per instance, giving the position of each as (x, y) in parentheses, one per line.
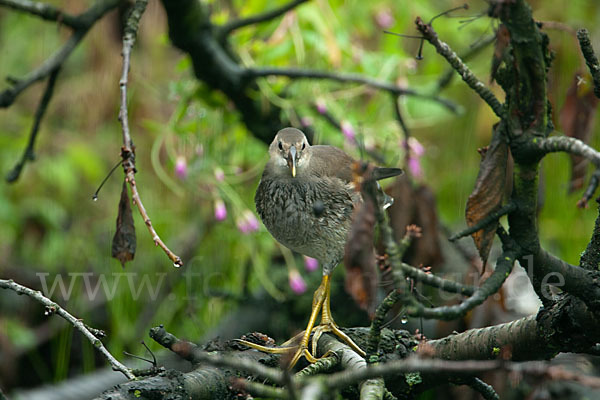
(482, 223)
(375, 332)
(400, 118)
(322, 365)
(8, 96)
(492, 284)
(88, 19)
(44, 11)
(299, 73)
(435, 281)
(590, 58)
(231, 26)
(569, 145)
(446, 78)
(442, 48)
(128, 150)
(28, 153)
(486, 391)
(54, 308)
(590, 190)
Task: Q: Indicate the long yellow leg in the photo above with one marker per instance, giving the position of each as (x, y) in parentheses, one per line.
(321, 303)
(329, 325)
(302, 349)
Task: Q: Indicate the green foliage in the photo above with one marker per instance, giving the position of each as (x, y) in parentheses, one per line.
(50, 225)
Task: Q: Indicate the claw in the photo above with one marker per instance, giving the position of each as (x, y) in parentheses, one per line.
(265, 349)
(321, 303)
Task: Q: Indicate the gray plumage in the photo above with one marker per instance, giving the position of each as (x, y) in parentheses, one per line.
(306, 197)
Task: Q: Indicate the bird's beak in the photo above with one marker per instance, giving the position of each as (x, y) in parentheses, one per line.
(292, 160)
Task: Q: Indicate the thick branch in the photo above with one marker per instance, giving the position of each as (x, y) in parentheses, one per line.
(590, 259)
(558, 328)
(442, 48)
(192, 353)
(54, 308)
(590, 58)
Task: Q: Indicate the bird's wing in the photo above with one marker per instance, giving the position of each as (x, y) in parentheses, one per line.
(331, 161)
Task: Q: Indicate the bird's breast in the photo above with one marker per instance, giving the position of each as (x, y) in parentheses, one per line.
(311, 216)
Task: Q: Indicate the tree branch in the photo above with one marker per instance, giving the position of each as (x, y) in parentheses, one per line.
(28, 153)
(231, 26)
(569, 145)
(504, 266)
(442, 48)
(54, 308)
(436, 281)
(87, 20)
(486, 391)
(300, 73)
(128, 150)
(482, 223)
(475, 48)
(44, 11)
(192, 353)
(590, 190)
(590, 58)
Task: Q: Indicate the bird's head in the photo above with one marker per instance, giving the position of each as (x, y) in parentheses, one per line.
(290, 151)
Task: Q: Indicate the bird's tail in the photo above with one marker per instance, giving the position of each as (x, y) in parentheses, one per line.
(382, 173)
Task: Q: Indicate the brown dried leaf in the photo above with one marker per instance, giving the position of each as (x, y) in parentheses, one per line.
(502, 42)
(359, 257)
(577, 119)
(415, 205)
(487, 194)
(124, 241)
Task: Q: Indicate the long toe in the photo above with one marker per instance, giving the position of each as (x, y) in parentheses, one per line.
(265, 349)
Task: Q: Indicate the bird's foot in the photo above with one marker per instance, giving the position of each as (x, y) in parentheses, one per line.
(288, 347)
(265, 349)
(331, 327)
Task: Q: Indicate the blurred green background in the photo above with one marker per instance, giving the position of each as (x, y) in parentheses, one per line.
(187, 136)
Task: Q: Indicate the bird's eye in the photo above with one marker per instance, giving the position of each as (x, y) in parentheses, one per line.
(303, 146)
(280, 146)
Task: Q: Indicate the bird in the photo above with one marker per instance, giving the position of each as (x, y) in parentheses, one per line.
(305, 199)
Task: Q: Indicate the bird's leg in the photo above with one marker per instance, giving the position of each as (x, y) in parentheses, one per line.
(329, 325)
(302, 349)
(317, 305)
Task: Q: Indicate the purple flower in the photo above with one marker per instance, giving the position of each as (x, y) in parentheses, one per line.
(219, 174)
(348, 131)
(296, 282)
(220, 210)
(181, 167)
(247, 223)
(414, 165)
(415, 146)
(321, 106)
(385, 19)
(310, 263)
